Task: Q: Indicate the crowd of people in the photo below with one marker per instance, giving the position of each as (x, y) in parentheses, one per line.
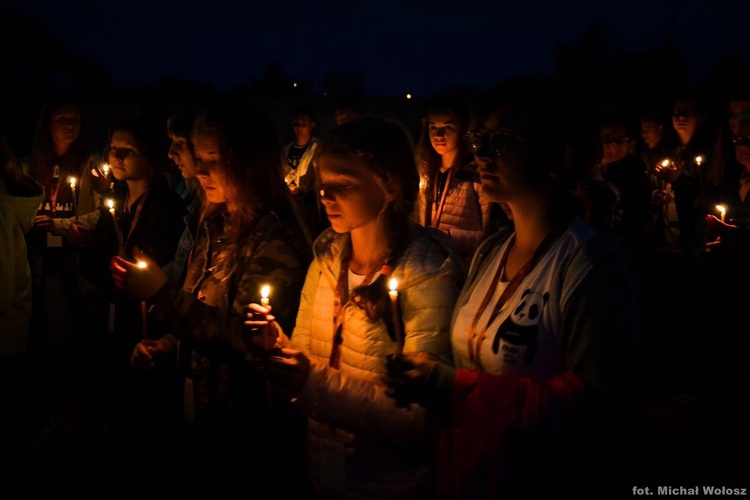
(522, 301)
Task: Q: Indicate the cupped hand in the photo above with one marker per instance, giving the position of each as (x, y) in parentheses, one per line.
(288, 370)
(146, 354)
(261, 332)
(407, 376)
(138, 282)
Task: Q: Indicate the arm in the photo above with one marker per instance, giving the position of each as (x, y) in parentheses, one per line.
(599, 341)
(360, 404)
(193, 320)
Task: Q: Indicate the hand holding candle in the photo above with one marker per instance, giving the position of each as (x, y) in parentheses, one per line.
(722, 210)
(396, 313)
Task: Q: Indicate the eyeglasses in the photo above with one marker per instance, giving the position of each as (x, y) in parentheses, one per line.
(120, 153)
(686, 112)
(490, 144)
(741, 140)
(615, 141)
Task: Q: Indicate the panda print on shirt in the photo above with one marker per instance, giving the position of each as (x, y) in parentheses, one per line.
(516, 337)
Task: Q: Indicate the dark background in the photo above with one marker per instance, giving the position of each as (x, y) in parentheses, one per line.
(154, 55)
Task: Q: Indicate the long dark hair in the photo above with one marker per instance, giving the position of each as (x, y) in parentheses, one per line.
(43, 147)
(150, 140)
(429, 161)
(253, 154)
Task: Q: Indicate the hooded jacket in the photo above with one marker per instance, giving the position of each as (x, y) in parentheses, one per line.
(17, 212)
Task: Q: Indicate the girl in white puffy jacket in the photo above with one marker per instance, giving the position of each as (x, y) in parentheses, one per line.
(360, 443)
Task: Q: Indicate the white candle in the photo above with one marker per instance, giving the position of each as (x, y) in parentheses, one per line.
(265, 291)
(722, 210)
(120, 247)
(72, 181)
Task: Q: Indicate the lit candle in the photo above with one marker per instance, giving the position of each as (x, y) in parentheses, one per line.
(105, 169)
(722, 210)
(393, 285)
(72, 181)
(698, 160)
(265, 291)
(120, 247)
(665, 163)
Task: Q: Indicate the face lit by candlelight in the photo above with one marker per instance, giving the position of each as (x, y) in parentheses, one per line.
(126, 162)
(181, 153)
(651, 132)
(742, 146)
(738, 109)
(353, 196)
(65, 125)
(210, 167)
(444, 132)
(616, 144)
(685, 119)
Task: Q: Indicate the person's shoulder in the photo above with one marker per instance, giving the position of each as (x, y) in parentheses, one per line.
(429, 251)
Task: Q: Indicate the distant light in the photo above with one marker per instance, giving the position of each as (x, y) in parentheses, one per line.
(295, 84)
(408, 96)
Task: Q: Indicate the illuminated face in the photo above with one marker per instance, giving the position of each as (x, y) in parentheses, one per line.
(125, 159)
(685, 118)
(742, 143)
(615, 144)
(181, 154)
(210, 167)
(352, 195)
(651, 132)
(303, 127)
(502, 163)
(65, 125)
(444, 132)
(738, 109)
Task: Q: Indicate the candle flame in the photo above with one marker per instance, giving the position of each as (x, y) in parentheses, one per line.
(105, 168)
(265, 291)
(142, 264)
(721, 208)
(665, 163)
(698, 160)
(111, 203)
(72, 181)
(393, 284)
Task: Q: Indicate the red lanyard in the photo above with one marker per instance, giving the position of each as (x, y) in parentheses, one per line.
(544, 246)
(135, 219)
(437, 210)
(339, 303)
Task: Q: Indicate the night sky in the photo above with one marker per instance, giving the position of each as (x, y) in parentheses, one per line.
(398, 46)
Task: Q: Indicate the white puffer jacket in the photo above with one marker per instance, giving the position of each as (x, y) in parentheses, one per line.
(388, 451)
